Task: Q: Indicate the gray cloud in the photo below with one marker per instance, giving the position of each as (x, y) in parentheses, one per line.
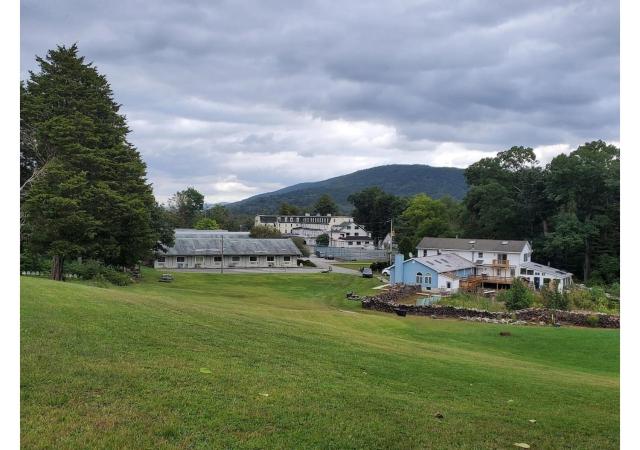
(239, 97)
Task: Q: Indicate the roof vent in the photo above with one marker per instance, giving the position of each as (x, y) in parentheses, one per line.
(472, 242)
(504, 242)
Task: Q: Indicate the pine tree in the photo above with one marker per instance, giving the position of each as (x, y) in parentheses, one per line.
(93, 200)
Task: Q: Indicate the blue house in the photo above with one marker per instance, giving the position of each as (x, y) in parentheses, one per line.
(432, 273)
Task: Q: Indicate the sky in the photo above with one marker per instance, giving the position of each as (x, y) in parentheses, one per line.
(240, 97)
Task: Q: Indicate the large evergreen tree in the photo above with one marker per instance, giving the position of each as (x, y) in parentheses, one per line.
(93, 199)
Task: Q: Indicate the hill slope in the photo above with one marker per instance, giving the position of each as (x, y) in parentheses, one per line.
(397, 179)
(285, 361)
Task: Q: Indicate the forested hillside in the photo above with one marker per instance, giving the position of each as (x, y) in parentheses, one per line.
(398, 179)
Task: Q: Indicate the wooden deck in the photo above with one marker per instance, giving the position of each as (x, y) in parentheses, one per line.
(474, 282)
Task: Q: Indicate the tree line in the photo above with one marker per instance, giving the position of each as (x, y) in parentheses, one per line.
(569, 209)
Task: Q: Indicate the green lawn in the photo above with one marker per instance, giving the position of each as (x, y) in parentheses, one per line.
(283, 361)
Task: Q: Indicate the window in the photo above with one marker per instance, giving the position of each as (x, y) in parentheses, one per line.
(355, 234)
(523, 271)
(546, 280)
(438, 252)
(424, 253)
(529, 272)
(287, 258)
(427, 279)
(253, 258)
(235, 258)
(502, 257)
(419, 278)
(271, 258)
(448, 284)
(526, 257)
(350, 243)
(160, 258)
(480, 255)
(217, 258)
(180, 259)
(358, 243)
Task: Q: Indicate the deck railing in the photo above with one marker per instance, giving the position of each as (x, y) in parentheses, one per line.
(500, 262)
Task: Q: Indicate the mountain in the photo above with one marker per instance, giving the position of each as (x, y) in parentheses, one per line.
(398, 179)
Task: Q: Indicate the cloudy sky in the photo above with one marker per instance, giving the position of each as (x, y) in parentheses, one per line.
(238, 98)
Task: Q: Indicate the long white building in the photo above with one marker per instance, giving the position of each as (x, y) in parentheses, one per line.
(213, 249)
(306, 226)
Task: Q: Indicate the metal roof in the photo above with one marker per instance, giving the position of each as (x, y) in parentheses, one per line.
(445, 263)
(546, 270)
(486, 245)
(449, 262)
(193, 233)
(186, 246)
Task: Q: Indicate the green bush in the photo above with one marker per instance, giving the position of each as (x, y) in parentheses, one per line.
(593, 299)
(593, 320)
(378, 266)
(94, 270)
(116, 277)
(552, 298)
(518, 297)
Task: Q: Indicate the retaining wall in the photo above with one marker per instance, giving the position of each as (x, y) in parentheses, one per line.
(388, 302)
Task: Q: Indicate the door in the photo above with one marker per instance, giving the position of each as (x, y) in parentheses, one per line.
(536, 282)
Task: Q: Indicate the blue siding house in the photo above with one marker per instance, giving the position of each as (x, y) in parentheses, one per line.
(431, 273)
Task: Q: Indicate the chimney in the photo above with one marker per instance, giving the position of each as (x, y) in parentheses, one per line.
(398, 272)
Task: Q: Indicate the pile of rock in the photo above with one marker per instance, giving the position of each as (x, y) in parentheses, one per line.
(388, 302)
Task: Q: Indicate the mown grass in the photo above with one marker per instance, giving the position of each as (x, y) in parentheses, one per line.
(283, 361)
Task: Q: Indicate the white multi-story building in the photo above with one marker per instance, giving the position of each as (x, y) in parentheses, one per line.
(351, 235)
(287, 224)
(498, 261)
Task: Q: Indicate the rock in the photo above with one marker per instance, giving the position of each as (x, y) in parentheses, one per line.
(438, 415)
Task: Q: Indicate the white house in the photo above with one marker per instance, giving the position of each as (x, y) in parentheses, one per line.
(351, 235)
(496, 261)
(195, 249)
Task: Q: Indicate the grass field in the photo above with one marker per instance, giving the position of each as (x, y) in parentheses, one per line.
(283, 361)
(355, 265)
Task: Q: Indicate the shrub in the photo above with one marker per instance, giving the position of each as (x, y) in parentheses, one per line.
(94, 270)
(518, 297)
(116, 277)
(552, 298)
(593, 320)
(378, 266)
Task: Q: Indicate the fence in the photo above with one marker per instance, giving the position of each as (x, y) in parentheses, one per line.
(350, 254)
(35, 273)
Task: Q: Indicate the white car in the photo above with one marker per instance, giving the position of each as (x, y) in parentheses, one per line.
(386, 272)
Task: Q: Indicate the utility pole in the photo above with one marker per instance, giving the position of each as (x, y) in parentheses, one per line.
(222, 254)
(391, 244)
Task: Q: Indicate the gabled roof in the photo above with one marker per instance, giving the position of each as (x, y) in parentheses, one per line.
(448, 262)
(545, 269)
(244, 246)
(445, 263)
(193, 233)
(482, 245)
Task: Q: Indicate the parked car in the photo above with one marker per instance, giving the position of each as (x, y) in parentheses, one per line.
(367, 273)
(386, 272)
